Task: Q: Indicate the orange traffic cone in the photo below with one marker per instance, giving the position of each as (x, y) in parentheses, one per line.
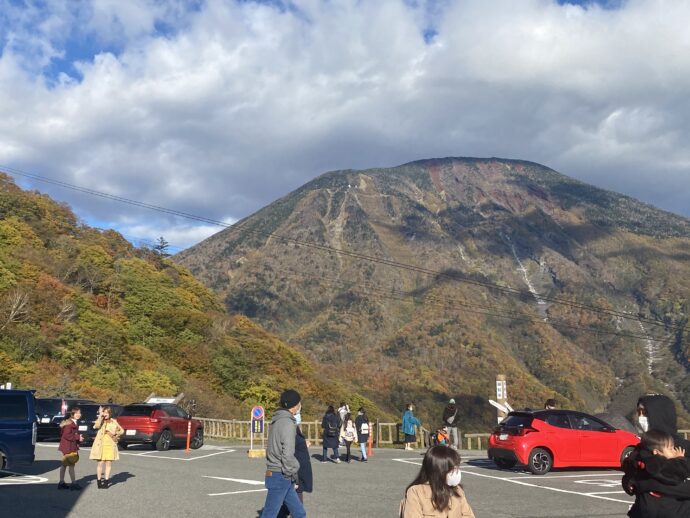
(370, 442)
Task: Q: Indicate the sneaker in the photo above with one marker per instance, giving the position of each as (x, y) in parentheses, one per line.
(75, 487)
(337, 461)
(62, 485)
(364, 460)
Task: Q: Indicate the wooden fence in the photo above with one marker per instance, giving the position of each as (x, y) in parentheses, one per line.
(384, 434)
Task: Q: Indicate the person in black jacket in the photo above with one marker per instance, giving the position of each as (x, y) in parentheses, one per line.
(363, 430)
(331, 434)
(305, 482)
(450, 419)
(657, 474)
(657, 412)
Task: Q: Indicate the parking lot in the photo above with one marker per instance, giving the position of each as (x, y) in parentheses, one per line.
(220, 480)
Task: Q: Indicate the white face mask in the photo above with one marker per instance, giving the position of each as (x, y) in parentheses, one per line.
(454, 477)
(643, 423)
(298, 418)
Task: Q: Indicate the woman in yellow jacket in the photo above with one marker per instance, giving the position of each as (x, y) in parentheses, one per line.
(437, 491)
(104, 449)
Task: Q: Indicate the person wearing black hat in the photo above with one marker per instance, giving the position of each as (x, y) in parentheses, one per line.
(281, 465)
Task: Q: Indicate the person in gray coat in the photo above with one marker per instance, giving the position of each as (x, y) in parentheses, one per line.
(281, 465)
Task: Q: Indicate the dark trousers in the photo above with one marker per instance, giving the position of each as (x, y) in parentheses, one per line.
(348, 444)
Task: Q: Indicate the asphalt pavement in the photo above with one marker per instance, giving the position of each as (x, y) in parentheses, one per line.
(219, 480)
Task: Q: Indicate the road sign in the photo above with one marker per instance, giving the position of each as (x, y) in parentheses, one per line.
(257, 425)
(257, 412)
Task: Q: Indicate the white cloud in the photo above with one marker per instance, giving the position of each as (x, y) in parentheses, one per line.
(237, 103)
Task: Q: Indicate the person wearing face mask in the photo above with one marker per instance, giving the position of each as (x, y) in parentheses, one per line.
(437, 491)
(657, 412)
(305, 478)
(281, 464)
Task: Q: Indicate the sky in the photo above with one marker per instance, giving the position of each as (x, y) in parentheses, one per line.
(219, 107)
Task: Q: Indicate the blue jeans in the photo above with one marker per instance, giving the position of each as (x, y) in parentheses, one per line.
(363, 447)
(282, 490)
(336, 455)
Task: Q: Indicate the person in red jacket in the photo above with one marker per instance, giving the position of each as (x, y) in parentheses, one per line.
(69, 447)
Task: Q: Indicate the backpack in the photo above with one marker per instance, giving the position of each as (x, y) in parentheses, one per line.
(331, 428)
(365, 429)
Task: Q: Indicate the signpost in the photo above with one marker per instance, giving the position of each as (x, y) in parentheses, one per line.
(501, 395)
(257, 427)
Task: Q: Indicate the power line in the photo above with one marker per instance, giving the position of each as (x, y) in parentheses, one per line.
(348, 253)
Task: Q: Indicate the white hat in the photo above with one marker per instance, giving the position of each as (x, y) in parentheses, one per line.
(452, 401)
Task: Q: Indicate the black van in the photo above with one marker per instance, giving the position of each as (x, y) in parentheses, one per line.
(17, 428)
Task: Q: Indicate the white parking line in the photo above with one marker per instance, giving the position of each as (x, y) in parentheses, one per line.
(240, 480)
(521, 481)
(607, 493)
(188, 459)
(557, 490)
(583, 475)
(238, 492)
(9, 478)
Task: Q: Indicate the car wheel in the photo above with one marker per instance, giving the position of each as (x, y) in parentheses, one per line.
(123, 446)
(197, 440)
(505, 463)
(163, 442)
(540, 461)
(626, 453)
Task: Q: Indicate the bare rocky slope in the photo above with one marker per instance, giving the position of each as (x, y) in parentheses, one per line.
(425, 280)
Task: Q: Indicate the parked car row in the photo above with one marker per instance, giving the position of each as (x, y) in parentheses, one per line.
(25, 419)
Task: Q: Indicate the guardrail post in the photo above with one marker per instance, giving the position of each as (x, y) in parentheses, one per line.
(378, 432)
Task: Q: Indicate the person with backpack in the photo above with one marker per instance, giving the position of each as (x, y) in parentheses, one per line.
(331, 434)
(348, 434)
(450, 420)
(363, 427)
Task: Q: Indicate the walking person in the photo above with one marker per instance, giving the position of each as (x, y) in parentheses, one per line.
(437, 491)
(281, 464)
(69, 447)
(304, 474)
(348, 434)
(104, 449)
(408, 426)
(363, 426)
(343, 410)
(450, 420)
(331, 434)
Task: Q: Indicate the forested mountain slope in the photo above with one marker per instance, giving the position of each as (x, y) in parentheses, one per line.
(457, 269)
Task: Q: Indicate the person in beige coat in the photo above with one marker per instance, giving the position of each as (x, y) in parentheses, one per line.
(437, 491)
(104, 449)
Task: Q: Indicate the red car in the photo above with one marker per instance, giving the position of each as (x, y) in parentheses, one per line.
(557, 439)
(161, 425)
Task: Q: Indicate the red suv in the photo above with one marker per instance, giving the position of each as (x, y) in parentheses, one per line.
(161, 425)
(556, 439)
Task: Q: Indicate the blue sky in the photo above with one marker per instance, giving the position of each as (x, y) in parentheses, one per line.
(218, 107)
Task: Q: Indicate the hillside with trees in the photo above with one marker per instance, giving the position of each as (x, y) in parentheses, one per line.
(85, 313)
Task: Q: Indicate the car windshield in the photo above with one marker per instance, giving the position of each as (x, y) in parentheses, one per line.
(517, 421)
(48, 406)
(89, 412)
(137, 410)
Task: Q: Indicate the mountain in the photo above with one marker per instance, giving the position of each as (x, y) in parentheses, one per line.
(84, 313)
(424, 281)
